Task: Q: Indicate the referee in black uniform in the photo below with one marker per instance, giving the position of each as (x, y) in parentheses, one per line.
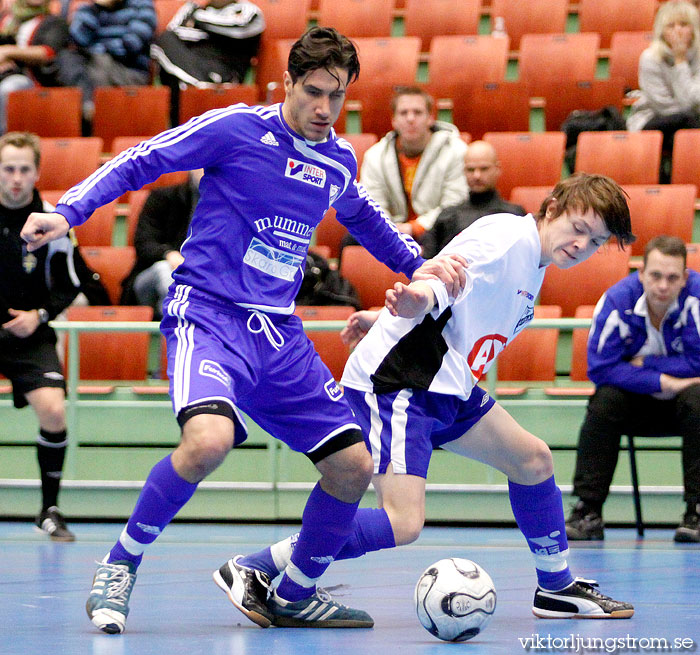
(34, 288)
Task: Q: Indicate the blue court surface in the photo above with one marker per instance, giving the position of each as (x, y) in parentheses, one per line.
(177, 609)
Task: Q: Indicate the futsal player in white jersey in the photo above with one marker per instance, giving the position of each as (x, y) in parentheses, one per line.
(233, 342)
(412, 383)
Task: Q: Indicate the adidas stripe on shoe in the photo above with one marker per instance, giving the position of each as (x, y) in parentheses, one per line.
(580, 600)
(317, 611)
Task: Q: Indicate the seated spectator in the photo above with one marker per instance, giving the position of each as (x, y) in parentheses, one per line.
(482, 169)
(111, 40)
(207, 45)
(160, 231)
(30, 38)
(669, 77)
(644, 358)
(417, 169)
(34, 288)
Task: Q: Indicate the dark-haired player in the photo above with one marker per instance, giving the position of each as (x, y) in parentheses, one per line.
(233, 343)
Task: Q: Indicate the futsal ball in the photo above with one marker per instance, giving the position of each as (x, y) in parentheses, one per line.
(455, 599)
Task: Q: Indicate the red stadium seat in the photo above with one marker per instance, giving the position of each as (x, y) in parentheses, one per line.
(433, 18)
(660, 209)
(65, 162)
(612, 16)
(113, 355)
(113, 264)
(329, 345)
(626, 157)
(528, 158)
(129, 111)
(46, 111)
(195, 101)
(586, 282)
(531, 17)
(370, 277)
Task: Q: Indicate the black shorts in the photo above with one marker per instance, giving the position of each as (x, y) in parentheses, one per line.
(30, 364)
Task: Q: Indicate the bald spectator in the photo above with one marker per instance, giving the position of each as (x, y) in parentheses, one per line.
(482, 169)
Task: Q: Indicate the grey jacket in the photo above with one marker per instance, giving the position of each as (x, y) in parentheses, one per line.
(439, 181)
(665, 88)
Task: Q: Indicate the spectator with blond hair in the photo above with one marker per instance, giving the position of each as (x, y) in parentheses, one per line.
(669, 77)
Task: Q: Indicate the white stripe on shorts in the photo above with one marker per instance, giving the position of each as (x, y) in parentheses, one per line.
(185, 346)
(398, 430)
(375, 429)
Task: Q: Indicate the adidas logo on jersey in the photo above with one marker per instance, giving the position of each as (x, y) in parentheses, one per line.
(269, 139)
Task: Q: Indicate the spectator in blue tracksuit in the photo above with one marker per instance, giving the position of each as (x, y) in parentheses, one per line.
(644, 358)
(111, 40)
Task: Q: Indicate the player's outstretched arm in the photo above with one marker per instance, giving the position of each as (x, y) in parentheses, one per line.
(410, 301)
(41, 228)
(358, 326)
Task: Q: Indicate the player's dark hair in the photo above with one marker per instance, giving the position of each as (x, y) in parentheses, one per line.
(323, 47)
(667, 245)
(411, 91)
(584, 191)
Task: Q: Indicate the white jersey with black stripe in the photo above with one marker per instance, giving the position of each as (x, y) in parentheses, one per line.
(451, 348)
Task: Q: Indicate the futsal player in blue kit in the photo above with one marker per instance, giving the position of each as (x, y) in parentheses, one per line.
(233, 343)
(412, 379)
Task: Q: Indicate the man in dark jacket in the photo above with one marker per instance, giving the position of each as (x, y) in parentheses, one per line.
(482, 169)
(34, 288)
(161, 229)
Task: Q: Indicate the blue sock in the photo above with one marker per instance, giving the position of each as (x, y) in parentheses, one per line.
(540, 516)
(162, 496)
(371, 531)
(326, 525)
(264, 561)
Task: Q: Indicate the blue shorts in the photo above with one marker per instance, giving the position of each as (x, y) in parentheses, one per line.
(260, 364)
(403, 427)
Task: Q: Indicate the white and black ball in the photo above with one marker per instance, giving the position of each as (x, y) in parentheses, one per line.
(455, 599)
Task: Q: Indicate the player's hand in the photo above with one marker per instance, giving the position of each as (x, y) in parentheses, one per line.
(174, 258)
(358, 326)
(450, 269)
(41, 228)
(676, 385)
(409, 301)
(23, 324)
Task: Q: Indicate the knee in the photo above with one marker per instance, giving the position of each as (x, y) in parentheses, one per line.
(206, 440)
(407, 526)
(52, 416)
(537, 466)
(358, 469)
(347, 473)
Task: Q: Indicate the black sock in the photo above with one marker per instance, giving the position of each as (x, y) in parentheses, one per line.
(51, 451)
(592, 507)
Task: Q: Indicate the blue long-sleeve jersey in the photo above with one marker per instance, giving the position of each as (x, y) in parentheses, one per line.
(619, 330)
(264, 191)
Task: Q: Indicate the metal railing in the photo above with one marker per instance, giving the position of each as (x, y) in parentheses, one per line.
(74, 400)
